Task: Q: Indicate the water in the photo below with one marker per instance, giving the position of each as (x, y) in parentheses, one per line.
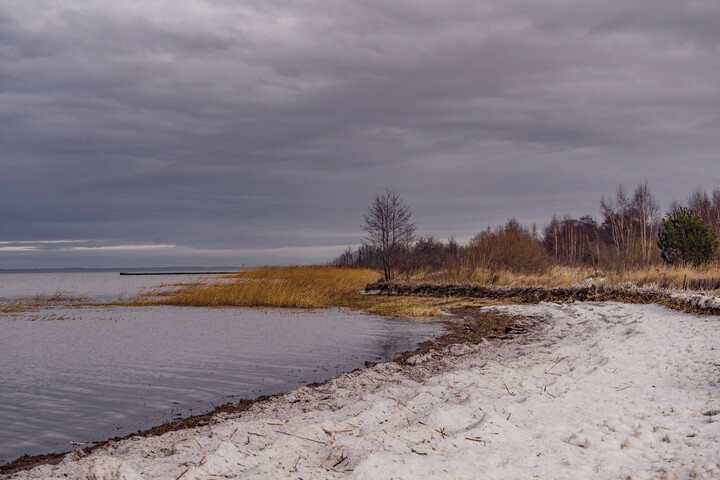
(87, 374)
(100, 286)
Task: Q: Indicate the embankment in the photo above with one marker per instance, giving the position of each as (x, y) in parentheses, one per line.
(696, 303)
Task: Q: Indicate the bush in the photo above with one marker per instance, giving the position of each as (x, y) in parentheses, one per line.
(512, 248)
(684, 238)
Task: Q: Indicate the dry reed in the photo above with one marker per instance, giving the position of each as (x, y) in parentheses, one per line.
(288, 287)
(36, 302)
(305, 287)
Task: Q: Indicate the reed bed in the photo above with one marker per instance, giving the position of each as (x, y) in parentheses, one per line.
(306, 287)
(286, 287)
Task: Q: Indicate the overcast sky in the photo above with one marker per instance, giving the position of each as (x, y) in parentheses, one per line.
(230, 132)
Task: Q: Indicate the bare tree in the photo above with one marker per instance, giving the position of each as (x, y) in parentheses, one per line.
(346, 259)
(631, 225)
(428, 254)
(647, 214)
(569, 239)
(706, 207)
(390, 230)
(617, 222)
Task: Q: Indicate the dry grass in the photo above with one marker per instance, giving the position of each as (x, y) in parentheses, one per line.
(707, 278)
(412, 306)
(306, 287)
(288, 287)
(36, 302)
(551, 277)
(325, 286)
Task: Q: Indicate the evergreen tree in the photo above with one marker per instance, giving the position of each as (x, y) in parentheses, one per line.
(685, 238)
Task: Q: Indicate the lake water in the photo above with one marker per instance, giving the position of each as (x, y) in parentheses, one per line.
(87, 374)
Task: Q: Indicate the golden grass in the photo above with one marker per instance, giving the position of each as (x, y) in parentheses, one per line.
(664, 276)
(305, 287)
(703, 278)
(558, 276)
(288, 287)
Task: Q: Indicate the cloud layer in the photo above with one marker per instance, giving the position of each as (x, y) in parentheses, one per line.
(241, 126)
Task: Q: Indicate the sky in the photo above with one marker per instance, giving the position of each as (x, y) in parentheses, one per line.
(231, 132)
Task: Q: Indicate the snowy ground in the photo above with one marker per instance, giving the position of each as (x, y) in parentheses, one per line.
(602, 391)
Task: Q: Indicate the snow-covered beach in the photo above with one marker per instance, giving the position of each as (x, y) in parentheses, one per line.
(590, 390)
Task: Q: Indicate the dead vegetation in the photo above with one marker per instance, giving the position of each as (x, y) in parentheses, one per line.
(660, 276)
(306, 287)
(303, 287)
(288, 287)
(424, 294)
(37, 302)
(429, 295)
(695, 304)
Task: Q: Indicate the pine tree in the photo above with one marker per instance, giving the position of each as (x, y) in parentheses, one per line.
(684, 238)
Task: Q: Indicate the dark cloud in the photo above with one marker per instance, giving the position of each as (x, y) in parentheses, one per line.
(689, 21)
(222, 126)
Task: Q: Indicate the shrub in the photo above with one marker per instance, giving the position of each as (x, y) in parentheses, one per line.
(684, 238)
(512, 248)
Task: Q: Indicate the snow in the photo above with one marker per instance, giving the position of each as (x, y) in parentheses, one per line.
(698, 299)
(591, 390)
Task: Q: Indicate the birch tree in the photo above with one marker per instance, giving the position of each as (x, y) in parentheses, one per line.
(646, 212)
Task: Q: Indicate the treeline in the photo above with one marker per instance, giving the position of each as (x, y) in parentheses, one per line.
(624, 237)
(425, 253)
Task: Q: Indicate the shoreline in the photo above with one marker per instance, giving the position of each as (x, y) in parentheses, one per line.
(465, 325)
(595, 390)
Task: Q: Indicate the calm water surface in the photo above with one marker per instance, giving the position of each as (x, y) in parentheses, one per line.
(83, 375)
(101, 286)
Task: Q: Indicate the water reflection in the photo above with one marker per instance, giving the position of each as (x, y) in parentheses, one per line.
(106, 372)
